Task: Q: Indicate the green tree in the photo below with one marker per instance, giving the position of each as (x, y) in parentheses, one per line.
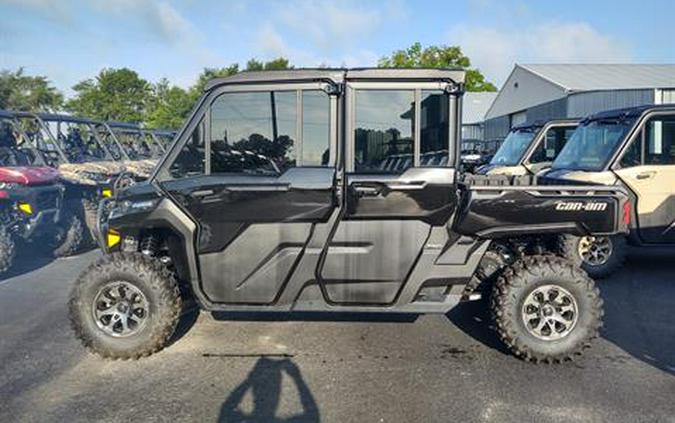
(441, 56)
(114, 94)
(19, 91)
(208, 74)
(279, 63)
(168, 107)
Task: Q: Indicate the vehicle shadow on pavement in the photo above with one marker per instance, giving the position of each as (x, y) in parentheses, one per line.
(265, 385)
(639, 301)
(473, 318)
(314, 317)
(26, 263)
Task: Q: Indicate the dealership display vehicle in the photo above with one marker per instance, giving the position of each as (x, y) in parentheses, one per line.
(86, 166)
(163, 137)
(136, 147)
(274, 197)
(31, 197)
(629, 148)
(476, 153)
(530, 149)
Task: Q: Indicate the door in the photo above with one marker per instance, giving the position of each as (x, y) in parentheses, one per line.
(255, 176)
(648, 169)
(393, 197)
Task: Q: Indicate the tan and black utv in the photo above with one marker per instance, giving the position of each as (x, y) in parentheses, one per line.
(529, 149)
(633, 148)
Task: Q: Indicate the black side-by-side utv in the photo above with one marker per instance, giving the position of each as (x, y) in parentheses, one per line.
(276, 196)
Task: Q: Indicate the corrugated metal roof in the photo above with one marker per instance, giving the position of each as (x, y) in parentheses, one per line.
(475, 105)
(592, 77)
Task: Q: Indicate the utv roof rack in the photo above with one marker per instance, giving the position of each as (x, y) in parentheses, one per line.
(541, 123)
(628, 111)
(124, 125)
(338, 75)
(57, 116)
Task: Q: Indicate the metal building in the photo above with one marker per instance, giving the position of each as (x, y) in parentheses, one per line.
(474, 107)
(554, 91)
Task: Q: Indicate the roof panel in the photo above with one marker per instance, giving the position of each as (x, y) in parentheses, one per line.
(593, 77)
(475, 105)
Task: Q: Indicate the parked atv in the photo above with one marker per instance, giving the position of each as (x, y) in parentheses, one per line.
(629, 148)
(139, 150)
(31, 199)
(260, 211)
(530, 149)
(476, 153)
(87, 168)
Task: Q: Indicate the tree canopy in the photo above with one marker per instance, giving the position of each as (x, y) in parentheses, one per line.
(122, 95)
(441, 56)
(19, 91)
(114, 94)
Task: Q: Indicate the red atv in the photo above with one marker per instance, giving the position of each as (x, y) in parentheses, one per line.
(31, 199)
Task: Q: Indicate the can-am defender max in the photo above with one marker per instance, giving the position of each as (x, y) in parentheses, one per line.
(530, 149)
(633, 149)
(87, 168)
(273, 198)
(31, 199)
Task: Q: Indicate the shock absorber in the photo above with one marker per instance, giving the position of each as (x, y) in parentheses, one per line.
(149, 245)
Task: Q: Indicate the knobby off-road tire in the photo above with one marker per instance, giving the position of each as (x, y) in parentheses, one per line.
(609, 256)
(72, 237)
(486, 275)
(7, 250)
(137, 281)
(535, 278)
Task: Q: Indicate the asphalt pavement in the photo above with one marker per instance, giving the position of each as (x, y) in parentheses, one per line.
(337, 368)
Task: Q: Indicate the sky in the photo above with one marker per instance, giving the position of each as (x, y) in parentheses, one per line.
(71, 40)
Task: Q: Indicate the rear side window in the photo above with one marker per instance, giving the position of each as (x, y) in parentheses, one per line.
(434, 134)
(383, 130)
(315, 128)
(660, 141)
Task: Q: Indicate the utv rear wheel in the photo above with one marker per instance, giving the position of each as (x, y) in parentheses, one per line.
(71, 238)
(599, 256)
(7, 250)
(125, 306)
(546, 309)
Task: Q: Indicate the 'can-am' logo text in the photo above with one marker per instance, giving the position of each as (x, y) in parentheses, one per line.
(579, 206)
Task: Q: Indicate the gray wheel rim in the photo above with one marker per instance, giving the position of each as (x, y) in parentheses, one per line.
(120, 309)
(550, 312)
(595, 250)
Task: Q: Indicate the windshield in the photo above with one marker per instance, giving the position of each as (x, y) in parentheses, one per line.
(592, 144)
(513, 148)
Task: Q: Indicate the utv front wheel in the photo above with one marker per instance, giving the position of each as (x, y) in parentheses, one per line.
(125, 306)
(599, 256)
(7, 250)
(546, 309)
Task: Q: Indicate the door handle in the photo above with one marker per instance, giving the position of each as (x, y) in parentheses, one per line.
(367, 190)
(260, 187)
(202, 193)
(645, 175)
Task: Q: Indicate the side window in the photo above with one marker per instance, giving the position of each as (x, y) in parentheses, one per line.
(632, 156)
(383, 131)
(660, 141)
(254, 132)
(553, 142)
(434, 128)
(191, 159)
(315, 128)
